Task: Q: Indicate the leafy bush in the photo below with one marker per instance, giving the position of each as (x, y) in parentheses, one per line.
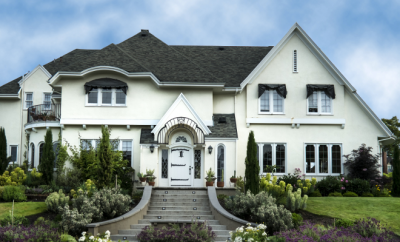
(16, 193)
(18, 220)
(350, 194)
(297, 220)
(367, 194)
(40, 221)
(388, 175)
(328, 185)
(361, 163)
(343, 223)
(240, 184)
(16, 177)
(250, 234)
(105, 237)
(270, 186)
(34, 191)
(137, 195)
(261, 208)
(315, 194)
(1, 191)
(33, 178)
(73, 221)
(195, 232)
(55, 201)
(222, 196)
(113, 203)
(29, 233)
(357, 185)
(294, 201)
(289, 179)
(335, 194)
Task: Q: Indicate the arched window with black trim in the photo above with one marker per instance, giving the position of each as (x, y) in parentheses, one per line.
(41, 145)
(220, 161)
(32, 155)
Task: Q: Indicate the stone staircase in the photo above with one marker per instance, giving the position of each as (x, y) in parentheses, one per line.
(175, 206)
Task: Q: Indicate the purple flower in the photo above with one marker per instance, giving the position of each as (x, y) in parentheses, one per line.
(343, 188)
(365, 169)
(304, 174)
(347, 181)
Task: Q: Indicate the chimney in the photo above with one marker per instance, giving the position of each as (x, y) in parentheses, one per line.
(144, 32)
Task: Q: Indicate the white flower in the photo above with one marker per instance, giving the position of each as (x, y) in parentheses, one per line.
(248, 224)
(230, 232)
(264, 234)
(245, 233)
(251, 239)
(83, 233)
(82, 239)
(250, 228)
(238, 239)
(91, 237)
(239, 229)
(108, 232)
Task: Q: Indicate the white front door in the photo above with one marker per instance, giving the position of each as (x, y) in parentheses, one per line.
(181, 166)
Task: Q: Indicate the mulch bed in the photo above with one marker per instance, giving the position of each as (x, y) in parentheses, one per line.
(316, 219)
(46, 215)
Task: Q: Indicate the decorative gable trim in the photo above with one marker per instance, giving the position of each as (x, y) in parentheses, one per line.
(39, 67)
(181, 98)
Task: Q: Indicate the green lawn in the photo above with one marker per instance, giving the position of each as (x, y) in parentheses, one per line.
(23, 208)
(385, 209)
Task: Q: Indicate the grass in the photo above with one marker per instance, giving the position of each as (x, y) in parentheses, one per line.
(22, 208)
(385, 209)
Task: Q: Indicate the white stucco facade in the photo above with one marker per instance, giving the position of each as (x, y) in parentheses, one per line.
(151, 108)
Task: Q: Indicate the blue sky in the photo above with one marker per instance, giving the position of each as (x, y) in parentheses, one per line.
(360, 37)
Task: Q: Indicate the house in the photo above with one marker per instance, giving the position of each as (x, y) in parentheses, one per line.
(184, 109)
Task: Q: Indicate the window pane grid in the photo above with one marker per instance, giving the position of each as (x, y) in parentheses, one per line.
(127, 151)
(313, 103)
(164, 164)
(325, 103)
(280, 159)
(264, 105)
(278, 102)
(14, 153)
(47, 100)
(106, 96)
(92, 96)
(120, 97)
(197, 164)
(29, 100)
(310, 159)
(336, 159)
(267, 156)
(220, 164)
(323, 159)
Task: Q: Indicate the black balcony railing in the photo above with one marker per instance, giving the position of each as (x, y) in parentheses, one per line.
(44, 112)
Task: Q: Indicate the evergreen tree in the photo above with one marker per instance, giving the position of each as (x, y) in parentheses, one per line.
(105, 158)
(396, 172)
(3, 151)
(252, 166)
(46, 165)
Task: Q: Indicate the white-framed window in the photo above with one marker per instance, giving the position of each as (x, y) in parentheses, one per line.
(47, 101)
(28, 99)
(220, 164)
(270, 102)
(295, 68)
(106, 97)
(124, 145)
(14, 153)
(270, 154)
(323, 159)
(319, 103)
(127, 150)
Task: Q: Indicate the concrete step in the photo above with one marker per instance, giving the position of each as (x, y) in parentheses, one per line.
(178, 212)
(178, 196)
(180, 217)
(175, 220)
(178, 204)
(142, 226)
(124, 237)
(182, 200)
(222, 238)
(174, 208)
(130, 231)
(182, 192)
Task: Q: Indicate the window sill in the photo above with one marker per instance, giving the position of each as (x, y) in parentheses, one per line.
(325, 174)
(261, 113)
(319, 114)
(109, 106)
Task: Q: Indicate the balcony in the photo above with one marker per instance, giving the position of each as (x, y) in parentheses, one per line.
(44, 113)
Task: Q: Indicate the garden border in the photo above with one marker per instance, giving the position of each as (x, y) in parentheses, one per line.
(232, 222)
(126, 220)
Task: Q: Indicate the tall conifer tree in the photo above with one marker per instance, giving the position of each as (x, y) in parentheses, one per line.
(46, 165)
(252, 166)
(396, 172)
(105, 156)
(3, 151)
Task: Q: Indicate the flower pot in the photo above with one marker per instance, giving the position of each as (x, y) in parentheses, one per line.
(233, 180)
(152, 183)
(220, 184)
(142, 179)
(209, 184)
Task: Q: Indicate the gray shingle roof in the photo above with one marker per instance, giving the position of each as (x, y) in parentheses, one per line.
(223, 130)
(11, 88)
(146, 137)
(169, 63)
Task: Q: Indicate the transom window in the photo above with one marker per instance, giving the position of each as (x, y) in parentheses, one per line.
(323, 159)
(28, 100)
(271, 102)
(319, 103)
(270, 154)
(106, 97)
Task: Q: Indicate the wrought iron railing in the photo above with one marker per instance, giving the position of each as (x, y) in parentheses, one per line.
(44, 112)
(181, 123)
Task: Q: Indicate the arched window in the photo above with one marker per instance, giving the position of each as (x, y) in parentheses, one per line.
(32, 155)
(41, 145)
(55, 150)
(220, 161)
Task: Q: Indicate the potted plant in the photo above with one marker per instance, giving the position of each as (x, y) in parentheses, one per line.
(221, 183)
(149, 172)
(151, 181)
(141, 176)
(210, 178)
(233, 178)
(51, 117)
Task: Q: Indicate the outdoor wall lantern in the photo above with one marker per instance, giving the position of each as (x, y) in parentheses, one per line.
(151, 148)
(210, 149)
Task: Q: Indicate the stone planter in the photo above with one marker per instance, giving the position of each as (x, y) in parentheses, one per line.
(220, 184)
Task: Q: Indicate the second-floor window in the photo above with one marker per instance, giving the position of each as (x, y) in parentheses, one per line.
(47, 100)
(28, 100)
(319, 103)
(106, 97)
(271, 98)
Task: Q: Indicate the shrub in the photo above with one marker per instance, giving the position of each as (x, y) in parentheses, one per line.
(328, 185)
(16, 177)
(261, 208)
(73, 221)
(343, 223)
(40, 221)
(46, 165)
(289, 179)
(113, 202)
(250, 234)
(16, 193)
(55, 201)
(68, 238)
(18, 220)
(105, 237)
(222, 196)
(297, 220)
(1, 191)
(361, 163)
(388, 175)
(137, 195)
(195, 232)
(271, 187)
(306, 185)
(294, 201)
(357, 185)
(315, 194)
(240, 184)
(252, 166)
(350, 194)
(29, 233)
(367, 194)
(335, 194)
